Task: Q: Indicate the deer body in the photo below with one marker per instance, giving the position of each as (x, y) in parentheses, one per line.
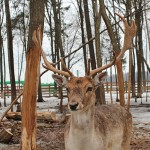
(108, 127)
(93, 128)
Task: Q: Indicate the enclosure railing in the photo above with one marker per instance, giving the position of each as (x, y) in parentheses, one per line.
(48, 90)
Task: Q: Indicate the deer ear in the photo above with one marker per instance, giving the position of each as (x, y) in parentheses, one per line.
(99, 78)
(60, 80)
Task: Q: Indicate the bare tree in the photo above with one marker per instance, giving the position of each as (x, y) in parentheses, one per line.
(146, 23)
(80, 4)
(32, 77)
(139, 44)
(97, 22)
(57, 20)
(1, 53)
(91, 47)
(51, 32)
(37, 16)
(89, 34)
(10, 51)
(128, 12)
(116, 48)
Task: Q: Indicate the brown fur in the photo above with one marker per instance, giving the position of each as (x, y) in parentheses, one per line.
(90, 127)
(108, 121)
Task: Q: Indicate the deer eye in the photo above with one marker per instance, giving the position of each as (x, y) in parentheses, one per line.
(89, 89)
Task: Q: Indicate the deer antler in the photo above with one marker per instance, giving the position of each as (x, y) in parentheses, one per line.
(37, 41)
(65, 68)
(129, 34)
(100, 69)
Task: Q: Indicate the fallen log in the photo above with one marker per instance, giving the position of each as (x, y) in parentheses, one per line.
(14, 101)
(5, 136)
(48, 116)
(13, 115)
(146, 123)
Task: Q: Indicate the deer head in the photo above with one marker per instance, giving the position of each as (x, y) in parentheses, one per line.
(81, 90)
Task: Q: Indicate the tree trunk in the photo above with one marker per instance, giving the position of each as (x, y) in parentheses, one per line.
(139, 45)
(54, 48)
(28, 139)
(10, 51)
(1, 62)
(40, 97)
(1, 56)
(58, 39)
(115, 48)
(57, 20)
(97, 21)
(89, 34)
(79, 2)
(91, 46)
(4, 66)
(49, 20)
(128, 12)
(36, 19)
(133, 75)
(147, 25)
(24, 42)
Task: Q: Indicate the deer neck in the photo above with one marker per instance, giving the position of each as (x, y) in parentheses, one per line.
(82, 119)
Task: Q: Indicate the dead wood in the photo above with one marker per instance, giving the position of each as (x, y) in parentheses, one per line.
(5, 136)
(48, 116)
(15, 100)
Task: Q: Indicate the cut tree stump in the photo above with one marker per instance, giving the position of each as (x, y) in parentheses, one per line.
(5, 136)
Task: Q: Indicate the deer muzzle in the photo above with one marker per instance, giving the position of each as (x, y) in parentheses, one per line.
(73, 106)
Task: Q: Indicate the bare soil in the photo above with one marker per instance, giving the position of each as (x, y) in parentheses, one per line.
(140, 138)
(50, 136)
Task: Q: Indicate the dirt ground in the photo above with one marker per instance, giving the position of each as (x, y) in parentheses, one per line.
(50, 136)
(140, 138)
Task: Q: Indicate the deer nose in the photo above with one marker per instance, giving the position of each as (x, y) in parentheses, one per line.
(73, 106)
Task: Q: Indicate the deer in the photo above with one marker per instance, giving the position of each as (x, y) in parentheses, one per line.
(90, 127)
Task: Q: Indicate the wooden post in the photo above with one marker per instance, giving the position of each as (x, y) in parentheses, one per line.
(126, 86)
(49, 89)
(107, 87)
(7, 91)
(28, 138)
